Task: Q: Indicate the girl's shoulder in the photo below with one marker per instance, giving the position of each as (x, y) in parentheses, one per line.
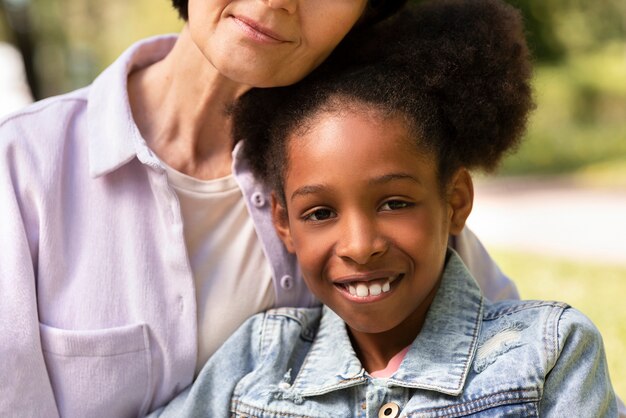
(548, 353)
(551, 320)
(289, 324)
(536, 313)
(542, 330)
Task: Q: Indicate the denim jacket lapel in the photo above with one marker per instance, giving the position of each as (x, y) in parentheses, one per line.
(440, 358)
(331, 363)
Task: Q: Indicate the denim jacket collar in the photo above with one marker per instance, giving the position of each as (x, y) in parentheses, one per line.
(439, 358)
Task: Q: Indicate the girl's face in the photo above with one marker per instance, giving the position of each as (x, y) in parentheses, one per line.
(268, 43)
(367, 219)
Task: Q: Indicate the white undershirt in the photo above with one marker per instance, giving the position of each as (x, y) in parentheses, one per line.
(232, 275)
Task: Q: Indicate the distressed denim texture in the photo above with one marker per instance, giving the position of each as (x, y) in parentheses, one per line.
(472, 358)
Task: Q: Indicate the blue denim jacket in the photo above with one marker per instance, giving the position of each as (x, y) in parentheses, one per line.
(472, 358)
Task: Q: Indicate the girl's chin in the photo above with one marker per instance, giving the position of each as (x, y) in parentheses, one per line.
(365, 326)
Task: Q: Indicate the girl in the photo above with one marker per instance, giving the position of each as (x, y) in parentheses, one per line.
(370, 171)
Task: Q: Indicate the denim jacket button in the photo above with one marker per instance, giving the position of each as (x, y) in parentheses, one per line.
(389, 410)
(258, 200)
(286, 282)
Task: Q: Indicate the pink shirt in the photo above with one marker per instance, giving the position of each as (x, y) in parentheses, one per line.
(392, 366)
(98, 307)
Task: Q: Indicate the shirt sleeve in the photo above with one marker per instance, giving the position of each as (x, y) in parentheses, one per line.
(211, 393)
(494, 284)
(579, 381)
(25, 388)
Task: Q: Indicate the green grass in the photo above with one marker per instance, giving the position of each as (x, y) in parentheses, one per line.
(597, 290)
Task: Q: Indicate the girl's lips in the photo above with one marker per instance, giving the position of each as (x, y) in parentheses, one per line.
(256, 31)
(368, 277)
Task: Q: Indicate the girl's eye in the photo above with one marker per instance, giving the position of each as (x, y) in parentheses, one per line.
(395, 205)
(321, 214)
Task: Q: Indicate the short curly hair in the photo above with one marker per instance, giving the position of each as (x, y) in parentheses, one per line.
(376, 11)
(459, 72)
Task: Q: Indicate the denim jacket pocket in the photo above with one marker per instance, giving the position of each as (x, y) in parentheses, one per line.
(105, 372)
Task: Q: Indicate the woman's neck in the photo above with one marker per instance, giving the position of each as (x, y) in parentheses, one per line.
(180, 107)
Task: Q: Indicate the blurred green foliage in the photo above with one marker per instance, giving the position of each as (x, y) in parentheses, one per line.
(579, 46)
(76, 39)
(580, 121)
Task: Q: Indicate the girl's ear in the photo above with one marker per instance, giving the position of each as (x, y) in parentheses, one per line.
(460, 200)
(281, 223)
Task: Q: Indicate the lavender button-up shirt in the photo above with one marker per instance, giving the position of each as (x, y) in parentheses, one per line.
(97, 300)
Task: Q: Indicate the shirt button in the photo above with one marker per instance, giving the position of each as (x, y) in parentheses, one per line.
(286, 282)
(258, 200)
(389, 410)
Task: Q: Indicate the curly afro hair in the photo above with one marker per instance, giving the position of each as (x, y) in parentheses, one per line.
(376, 11)
(457, 71)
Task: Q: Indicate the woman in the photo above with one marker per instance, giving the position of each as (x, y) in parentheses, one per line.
(134, 240)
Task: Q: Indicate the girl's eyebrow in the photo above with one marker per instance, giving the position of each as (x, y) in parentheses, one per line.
(308, 189)
(386, 178)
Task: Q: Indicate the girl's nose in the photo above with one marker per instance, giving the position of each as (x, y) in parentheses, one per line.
(360, 241)
(289, 6)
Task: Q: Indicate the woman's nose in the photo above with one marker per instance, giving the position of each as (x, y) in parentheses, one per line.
(289, 6)
(360, 241)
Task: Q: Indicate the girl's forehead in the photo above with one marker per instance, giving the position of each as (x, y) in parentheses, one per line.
(343, 108)
(349, 138)
(357, 122)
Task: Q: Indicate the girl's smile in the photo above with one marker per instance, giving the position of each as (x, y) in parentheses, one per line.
(369, 287)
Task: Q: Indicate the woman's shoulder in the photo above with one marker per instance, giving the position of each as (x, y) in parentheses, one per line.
(47, 110)
(42, 145)
(44, 126)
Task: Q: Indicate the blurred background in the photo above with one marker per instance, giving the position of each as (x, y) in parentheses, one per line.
(554, 216)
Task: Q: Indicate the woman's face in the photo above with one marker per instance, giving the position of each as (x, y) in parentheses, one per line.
(268, 43)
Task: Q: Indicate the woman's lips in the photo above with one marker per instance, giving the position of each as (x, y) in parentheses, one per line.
(257, 31)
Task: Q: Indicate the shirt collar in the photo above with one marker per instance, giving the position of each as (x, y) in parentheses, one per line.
(439, 359)
(114, 138)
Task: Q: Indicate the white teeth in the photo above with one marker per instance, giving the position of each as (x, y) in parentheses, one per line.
(352, 290)
(375, 289)
(363, 289)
